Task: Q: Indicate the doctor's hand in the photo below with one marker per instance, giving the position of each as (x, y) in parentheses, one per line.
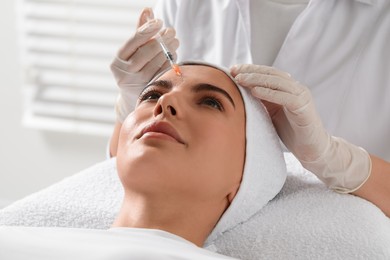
(139, 59)
(342, 166)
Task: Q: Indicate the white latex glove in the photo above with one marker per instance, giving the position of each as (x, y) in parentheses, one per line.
(342, 166)
(139, 60)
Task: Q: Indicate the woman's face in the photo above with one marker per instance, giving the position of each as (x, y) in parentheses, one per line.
(185, 138)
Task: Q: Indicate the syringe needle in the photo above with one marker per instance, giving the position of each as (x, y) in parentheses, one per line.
(168, 55)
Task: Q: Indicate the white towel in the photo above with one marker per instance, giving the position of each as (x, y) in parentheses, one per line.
(308, 221)
(304, 221)
(88, 199)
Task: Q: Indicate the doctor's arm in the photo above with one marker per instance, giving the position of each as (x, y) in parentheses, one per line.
(342, 166)
(377, 187)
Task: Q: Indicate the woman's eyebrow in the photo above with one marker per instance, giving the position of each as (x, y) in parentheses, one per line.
(208, 87)
(167, 84)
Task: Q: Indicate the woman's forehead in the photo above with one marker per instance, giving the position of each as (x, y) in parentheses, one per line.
(202, 74)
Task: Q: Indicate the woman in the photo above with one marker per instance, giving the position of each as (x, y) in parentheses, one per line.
(188, 159)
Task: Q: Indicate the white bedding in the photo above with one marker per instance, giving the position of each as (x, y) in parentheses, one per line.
(305, 221)
(53, 243)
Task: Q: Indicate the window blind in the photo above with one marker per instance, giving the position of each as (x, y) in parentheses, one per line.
(67, 47)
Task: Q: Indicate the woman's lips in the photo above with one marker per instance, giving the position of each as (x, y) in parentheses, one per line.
(159, 128)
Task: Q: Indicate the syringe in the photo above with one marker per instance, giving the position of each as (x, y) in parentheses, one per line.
(168, 54)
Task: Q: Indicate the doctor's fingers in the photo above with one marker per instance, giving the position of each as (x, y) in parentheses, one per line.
(276, 82)
(146, 15)
(167, 63)
(287, 100)
(147, 27)
(259, 69)
(141, 36)
(125, 77)
(281, 91)
(145, 53)
(156, 65)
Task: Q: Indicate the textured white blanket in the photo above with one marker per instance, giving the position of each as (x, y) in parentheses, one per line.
(305, 221)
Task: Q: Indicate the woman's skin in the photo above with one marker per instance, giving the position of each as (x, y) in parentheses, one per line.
(180, 154)
(377, 188)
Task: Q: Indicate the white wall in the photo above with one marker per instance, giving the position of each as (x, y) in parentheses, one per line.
(32, 159)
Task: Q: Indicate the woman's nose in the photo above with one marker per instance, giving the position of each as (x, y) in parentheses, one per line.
(167, 105)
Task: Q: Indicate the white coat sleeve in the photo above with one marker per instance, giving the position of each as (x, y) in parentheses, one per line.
(166, 11)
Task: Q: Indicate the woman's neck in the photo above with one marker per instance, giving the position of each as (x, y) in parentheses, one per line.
(190, 222)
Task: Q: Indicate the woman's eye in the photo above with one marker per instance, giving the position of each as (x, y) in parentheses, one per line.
(150, 96)
(212, 102)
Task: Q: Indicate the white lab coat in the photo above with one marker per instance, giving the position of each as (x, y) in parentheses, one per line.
(340, 49)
